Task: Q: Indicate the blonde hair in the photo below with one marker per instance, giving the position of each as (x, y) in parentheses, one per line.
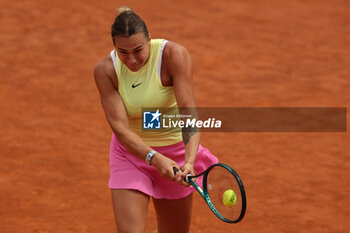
(123, 9)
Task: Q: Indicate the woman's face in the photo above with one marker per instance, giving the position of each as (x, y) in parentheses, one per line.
(133, 51)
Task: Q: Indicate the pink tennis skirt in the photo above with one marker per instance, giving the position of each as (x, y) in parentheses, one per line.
(130, 172)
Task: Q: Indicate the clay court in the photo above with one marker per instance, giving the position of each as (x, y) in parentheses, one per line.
(54, 137)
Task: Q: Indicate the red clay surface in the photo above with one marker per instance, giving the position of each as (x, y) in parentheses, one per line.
(54, 137)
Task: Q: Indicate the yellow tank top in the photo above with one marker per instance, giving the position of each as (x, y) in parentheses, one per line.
(144, 89)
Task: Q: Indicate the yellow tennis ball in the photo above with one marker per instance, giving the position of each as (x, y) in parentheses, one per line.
(229, 198)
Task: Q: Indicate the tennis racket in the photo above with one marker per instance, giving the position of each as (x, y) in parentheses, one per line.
(217, 179)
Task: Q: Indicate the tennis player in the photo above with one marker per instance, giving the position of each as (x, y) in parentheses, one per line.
(143, 72)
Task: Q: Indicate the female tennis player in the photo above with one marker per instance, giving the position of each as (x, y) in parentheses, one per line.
(143, 72)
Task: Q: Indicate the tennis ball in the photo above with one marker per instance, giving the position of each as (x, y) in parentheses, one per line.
(229, 198)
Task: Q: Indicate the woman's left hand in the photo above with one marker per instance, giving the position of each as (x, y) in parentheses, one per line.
(181, 175)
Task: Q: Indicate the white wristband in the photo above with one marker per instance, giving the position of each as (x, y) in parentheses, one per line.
(150, 155)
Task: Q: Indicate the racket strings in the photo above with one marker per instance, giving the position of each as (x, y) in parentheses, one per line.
(219, 180)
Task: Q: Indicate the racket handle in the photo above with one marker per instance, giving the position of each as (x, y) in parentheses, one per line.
(175, 169)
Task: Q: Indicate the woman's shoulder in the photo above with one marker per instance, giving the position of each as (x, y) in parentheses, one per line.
(105, 63)
(173, 50)
(173, 47)
(105, 66)
(104, 70)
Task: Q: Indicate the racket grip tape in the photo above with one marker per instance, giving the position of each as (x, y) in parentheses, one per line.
(175, 169)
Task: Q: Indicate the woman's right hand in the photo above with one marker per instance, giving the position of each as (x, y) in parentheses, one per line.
(165, 166)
